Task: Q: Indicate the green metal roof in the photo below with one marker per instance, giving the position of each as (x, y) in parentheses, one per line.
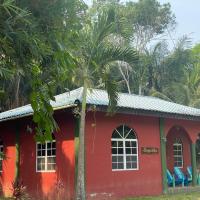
(134, 103)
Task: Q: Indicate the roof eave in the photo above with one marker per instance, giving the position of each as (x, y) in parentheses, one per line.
(122, 110)
(30, 114)
(151, 113)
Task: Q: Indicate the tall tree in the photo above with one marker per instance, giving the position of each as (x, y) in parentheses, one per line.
(150, 20)
(97, 54)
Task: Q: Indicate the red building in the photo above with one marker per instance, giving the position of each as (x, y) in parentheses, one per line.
(126, 154)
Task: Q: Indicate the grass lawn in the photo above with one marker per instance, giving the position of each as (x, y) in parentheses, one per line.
(188, 196)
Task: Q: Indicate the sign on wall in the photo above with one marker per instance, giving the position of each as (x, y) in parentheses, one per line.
(149, 150)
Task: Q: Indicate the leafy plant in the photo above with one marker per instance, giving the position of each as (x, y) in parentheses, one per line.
(19, 191)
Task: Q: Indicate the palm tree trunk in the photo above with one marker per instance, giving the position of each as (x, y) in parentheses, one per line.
(140, 89)
(16, 101)
(150, 77)
(80, 185)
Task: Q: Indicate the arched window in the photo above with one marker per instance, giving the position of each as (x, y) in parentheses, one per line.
(1, 155)
(178, 153)
(46, 156)
(124, 149)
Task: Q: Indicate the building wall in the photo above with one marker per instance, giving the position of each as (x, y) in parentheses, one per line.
(49, 185)
(101, 180)
(7, 135)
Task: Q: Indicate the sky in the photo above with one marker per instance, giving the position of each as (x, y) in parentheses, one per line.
(187, 14)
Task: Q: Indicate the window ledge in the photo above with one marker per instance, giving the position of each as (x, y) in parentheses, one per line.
(116, 170)
(50, 171)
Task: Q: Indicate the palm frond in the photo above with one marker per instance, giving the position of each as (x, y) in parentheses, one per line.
(179, 93)
(104, 26)
(160, 95)
(111, 88)
(106, 54)
(195, 103)
(5, 72)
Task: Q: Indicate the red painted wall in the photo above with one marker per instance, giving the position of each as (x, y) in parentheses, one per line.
(8, 174)
(46, 183)
(101, 181)
(41, 184)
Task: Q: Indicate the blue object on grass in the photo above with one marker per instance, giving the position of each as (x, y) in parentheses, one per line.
(171, 180)
(179, 175)
(189, 171)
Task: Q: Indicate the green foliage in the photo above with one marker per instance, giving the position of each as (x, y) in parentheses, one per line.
(160, 95)
(178, 75)
(112, 89)
(98, 54)
(151, 14)
(35, 53)
(43, 111)
(148, 19)
(48, 46)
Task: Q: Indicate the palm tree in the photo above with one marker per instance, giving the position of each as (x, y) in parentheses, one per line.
(187, 91)
(189, 88)
(96, 56)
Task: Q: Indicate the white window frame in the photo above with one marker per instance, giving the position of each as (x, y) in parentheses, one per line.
(124, 140)
(178, 143)
(45, 157)
(1, 158)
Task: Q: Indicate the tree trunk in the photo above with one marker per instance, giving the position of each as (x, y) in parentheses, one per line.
(150, 77)
(128, 87)
(16, 100)
(80, 185)
(125, 79)
(140, 89)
